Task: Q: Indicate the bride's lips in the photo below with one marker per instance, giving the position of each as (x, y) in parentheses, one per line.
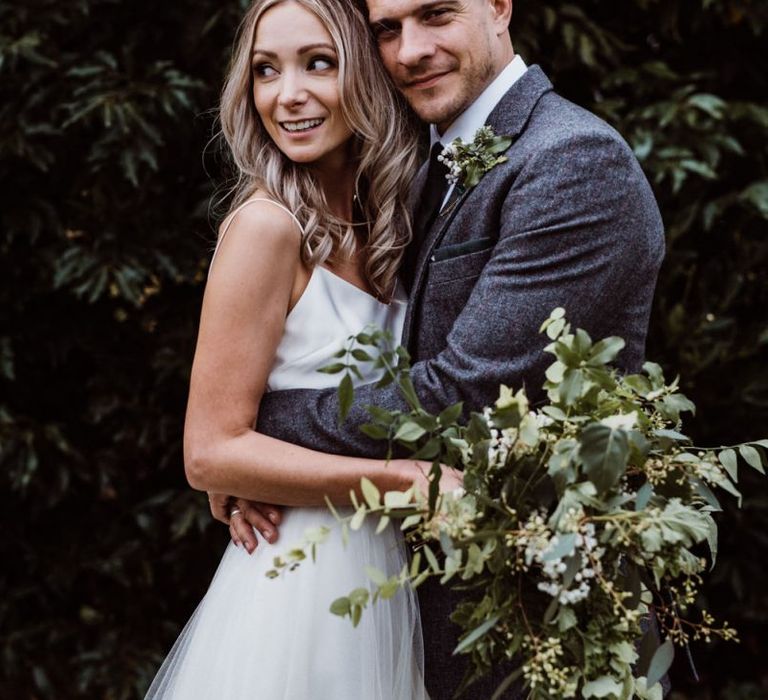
(301, 132)
(426, 81)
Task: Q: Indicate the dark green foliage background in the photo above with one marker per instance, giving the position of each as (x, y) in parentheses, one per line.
(106, 107)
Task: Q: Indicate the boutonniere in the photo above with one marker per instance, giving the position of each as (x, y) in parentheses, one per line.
(468, 162)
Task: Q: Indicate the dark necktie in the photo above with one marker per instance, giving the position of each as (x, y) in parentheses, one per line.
(432, 195)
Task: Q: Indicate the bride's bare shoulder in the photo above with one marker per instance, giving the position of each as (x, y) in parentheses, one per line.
(259, 227)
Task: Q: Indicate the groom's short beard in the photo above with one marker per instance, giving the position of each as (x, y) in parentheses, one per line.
(471, 86)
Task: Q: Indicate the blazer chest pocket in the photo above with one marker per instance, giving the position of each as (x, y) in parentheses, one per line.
(459, 262)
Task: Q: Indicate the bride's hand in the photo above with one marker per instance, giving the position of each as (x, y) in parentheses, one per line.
(264, 517)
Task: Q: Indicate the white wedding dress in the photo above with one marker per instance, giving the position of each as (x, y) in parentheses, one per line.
(256, 638)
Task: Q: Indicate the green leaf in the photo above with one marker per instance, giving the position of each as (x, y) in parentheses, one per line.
(429, 451)
(706, 493)
(757, 195)
(638, 383)
(675, 404)
(334, 368)
(752, 457)
(341, 606)
(357, 613)
(361, 355)
(564, 547)
(357, 519)
(381, 415)
(359, 596)
(661, 662)
(555, 328)
(555, 372)
(655, 374)
(376, 575)
(409, 393)
(605, 351)
(712, 541)
(646, 651)
(644, 494)
(370, 493)
(431, 559)
(572, 386)
(506, 683)
(730, 462)
(409, 432)
(551, 611)
(603, 452)
(346, 394)
(602, 687)
(475, 634)
(672, 435)
(450, 415)
(377, 432)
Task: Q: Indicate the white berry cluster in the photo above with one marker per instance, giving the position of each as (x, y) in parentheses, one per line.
(539, 543)
(515, 440)
(448, 158)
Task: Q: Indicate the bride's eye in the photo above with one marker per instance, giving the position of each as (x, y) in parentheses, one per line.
(263, 70)
(321, 63)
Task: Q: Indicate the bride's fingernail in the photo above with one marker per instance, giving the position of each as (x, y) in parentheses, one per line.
(267, 534)
(273, 518)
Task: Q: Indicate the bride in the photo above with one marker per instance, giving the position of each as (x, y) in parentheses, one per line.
(300, 264)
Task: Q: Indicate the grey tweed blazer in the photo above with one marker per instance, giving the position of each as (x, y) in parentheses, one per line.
(568, 220)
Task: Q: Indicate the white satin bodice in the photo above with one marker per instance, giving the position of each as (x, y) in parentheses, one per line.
(329, 311)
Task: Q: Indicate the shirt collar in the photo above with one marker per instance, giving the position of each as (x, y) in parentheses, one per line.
(475, 116)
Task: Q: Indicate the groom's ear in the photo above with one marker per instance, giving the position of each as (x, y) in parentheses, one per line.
(502, 10)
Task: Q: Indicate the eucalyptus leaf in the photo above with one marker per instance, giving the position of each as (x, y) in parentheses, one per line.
(729, 460)
(479, 631)
(370, 493)
(752, 457)
(661, 662)
(564, 547)
(341, 606)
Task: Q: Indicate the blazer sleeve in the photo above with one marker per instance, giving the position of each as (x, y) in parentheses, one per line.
(579, 228)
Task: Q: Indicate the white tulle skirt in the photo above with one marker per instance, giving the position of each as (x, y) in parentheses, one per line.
(275, 639)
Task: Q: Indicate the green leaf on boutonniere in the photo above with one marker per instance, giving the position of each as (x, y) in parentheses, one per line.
(468, 162)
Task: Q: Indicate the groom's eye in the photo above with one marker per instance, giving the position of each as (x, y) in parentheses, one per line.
(437, 16)
(384, 31)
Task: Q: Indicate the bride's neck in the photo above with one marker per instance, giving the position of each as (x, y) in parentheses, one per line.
(337, 180)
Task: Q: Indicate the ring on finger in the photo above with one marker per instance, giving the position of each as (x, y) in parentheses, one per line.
(234, 512)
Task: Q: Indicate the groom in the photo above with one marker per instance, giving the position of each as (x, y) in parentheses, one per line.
(567, 220)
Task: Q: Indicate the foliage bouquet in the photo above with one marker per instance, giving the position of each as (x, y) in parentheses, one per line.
(576, 519)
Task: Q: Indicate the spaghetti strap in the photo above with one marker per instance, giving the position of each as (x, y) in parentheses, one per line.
(231, 218)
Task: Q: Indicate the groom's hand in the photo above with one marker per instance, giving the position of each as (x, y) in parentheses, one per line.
(264, 517)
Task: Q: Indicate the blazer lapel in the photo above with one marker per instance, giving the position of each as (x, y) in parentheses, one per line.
(509, 118)
(408, 264)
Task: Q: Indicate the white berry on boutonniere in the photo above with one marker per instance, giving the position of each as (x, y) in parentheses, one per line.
(468, 162)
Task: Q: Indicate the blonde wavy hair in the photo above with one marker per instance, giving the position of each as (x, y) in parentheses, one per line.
(385, 147)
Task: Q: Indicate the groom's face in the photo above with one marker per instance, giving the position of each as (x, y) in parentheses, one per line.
(440, 53)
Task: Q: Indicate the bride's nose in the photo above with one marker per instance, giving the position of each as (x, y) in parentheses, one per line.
(292, 89)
